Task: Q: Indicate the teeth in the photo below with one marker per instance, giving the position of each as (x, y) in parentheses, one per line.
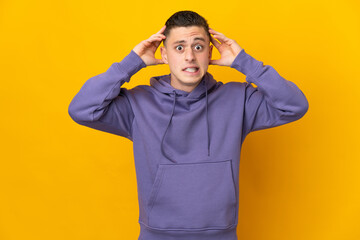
(190, 69)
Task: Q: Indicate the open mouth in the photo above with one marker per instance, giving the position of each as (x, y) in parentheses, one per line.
(191, 69)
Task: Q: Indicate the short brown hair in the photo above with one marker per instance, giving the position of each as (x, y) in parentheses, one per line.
(185, 19)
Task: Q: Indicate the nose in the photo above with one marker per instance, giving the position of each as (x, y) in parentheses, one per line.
(189, 55)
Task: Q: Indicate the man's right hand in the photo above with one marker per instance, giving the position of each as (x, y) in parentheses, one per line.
(147, 48)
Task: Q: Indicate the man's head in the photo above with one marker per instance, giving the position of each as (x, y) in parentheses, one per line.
(186, 49)
(185, 19)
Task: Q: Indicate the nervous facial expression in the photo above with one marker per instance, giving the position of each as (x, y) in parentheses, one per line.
(188, 52)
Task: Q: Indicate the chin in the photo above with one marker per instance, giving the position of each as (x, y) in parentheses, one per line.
(191, 82)
(195, 79)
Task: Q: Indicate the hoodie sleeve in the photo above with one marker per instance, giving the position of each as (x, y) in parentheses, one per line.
(275, 100)
(102, 104)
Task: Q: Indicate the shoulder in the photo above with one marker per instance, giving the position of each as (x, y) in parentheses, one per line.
(139, 92)
(242, 86)
(235, 86)
(237, 90)
(140, 89)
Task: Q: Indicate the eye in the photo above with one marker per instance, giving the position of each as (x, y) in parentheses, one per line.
(179, 47)
(198, 47)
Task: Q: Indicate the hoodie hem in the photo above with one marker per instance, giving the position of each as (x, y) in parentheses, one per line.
(147, 233)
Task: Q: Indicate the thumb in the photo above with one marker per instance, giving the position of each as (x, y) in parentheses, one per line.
(215, 62)
(159, 61)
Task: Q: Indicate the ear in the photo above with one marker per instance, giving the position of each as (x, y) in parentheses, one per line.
(210, 51)
(164, 54)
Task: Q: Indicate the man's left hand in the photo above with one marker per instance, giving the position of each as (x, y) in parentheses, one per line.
(227, 48)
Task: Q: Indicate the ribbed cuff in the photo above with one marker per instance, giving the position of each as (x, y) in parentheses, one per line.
(131, 64)
(245, 63)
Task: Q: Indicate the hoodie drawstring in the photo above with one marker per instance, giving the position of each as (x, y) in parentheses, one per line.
(172, 114)
(162, 140)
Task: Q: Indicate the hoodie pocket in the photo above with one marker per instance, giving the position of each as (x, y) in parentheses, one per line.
(193, 196)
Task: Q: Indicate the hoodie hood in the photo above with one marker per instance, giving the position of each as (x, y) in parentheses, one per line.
(163, 84)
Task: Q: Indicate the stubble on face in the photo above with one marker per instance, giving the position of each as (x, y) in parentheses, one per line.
(188, 53)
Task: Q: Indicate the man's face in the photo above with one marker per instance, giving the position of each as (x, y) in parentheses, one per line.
(188, 52)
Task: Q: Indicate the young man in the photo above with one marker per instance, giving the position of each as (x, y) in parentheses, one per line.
(187, 128)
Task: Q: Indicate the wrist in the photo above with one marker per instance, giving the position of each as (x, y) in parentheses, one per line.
(131, 64)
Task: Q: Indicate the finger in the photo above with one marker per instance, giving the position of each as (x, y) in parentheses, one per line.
(212, 31)
(156, 36)
(162, 29)
(215, 42)
(155, 39)
(220, 35)
(221, 38)
(157, 44)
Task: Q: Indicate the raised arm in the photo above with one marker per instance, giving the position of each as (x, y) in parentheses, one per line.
(275, 100)
(101, 103)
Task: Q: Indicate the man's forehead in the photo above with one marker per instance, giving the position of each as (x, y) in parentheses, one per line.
(183, 34)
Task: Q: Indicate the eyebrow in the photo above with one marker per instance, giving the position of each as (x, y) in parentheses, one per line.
(183, 41)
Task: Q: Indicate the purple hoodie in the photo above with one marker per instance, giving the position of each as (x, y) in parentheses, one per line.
(187, 145)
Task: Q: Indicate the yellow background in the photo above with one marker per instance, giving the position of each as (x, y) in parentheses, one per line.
(60, 180)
